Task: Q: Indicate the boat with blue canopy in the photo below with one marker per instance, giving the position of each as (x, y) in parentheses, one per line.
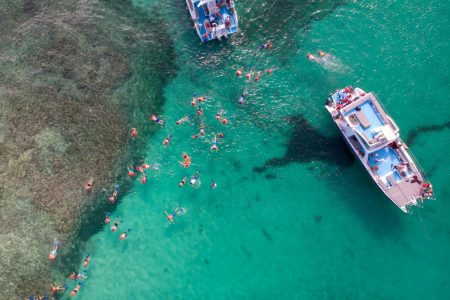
(374, 138)
(213, 19)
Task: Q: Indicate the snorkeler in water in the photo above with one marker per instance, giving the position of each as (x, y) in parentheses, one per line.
(183, 181)
(178, 211)
(155, 119)
(52, 255)
(116, 224)
(124, 234)
(167, 140)
(195, 180)
(86, 261)
(75, 290)
(242, 97)
(214, 144)
(213, 184)
(184, 119)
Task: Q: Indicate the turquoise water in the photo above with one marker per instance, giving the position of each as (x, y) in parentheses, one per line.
(293, 215)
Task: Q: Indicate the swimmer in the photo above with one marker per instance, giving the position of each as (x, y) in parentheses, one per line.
(214, 144)
(167, 140)
(116, 224)
(213, 184)
(183, 181)
(88, 185)
(224, 121)
(52, 255)
(195, 136)
(257, 77)
(195, 180)
(146, 166)
(107, 219)
(131, 171)
(322, 54)
(144, 179)
(199, 111)
(81, 276)
(248, 75)
(312, 57)
(178, 211)
(155, 119)
(219, 114)
(238, 72)
(202, 131)
(184, 119)
(266, 46)
(56, 288)
(186, 160)
(72, 276)
(86, 261)
(133, 133)
(220, 135)
(243, 96)
(269, 71)
(201, 99)
(139, 169)
(111, 199)
(194, 101)
(124, 234)
(75, 290)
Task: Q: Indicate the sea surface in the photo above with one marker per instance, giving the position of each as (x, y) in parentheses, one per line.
(294, 216)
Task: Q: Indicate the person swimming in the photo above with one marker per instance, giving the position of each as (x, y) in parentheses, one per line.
(155, 119)
(131, 171)
(184, 119)
(178, 211)
(124, 234)
(75, 290)
(54, 252)
(242, 97)
(81, 276)
(266, 46)
(195, 180)
(214, 144)
(221, 135)
(312, 57)
(56, 288)
(186, 160)
(219, 114)
(88, 185)
(183, 181)
(133, 133)
(107, 218)
(144, 178)
(167, 140)
(86, 261)
(116, 224)
(213, 184)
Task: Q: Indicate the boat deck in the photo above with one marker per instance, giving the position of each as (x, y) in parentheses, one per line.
(367, 119)
(204, 22)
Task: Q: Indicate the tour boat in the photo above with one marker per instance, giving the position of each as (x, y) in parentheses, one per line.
(213, 19)
(374, 138)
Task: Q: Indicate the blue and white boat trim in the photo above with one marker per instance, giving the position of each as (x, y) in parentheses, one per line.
(213, 19)
(375, 140)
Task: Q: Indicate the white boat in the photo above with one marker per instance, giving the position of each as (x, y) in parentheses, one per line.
(374, 138)
(213, 19)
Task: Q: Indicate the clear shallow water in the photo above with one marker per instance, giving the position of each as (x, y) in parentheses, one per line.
(310, 225)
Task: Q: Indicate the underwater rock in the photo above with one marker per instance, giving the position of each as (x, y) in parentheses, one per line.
(71, 84)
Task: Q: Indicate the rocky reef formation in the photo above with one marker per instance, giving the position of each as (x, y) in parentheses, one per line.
(75, 76)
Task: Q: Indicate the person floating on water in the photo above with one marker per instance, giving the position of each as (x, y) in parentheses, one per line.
(238, 72)
(88, 185)
(116, 189)
(116, 224)
(133, 133)
(107, 218)
(186, 160)
(184, 119)
(220, 135)
(124, 234)
(143, 178)
(266, 46)
(194, 101)
(75, 290)
(213, 184)
(178, 211)
(131, 171)
(242, 97)
(155, 119)
(72, 276)
(167, 140)
(195, 180)
(199, 111)
(219, 114)
(81, 276)
(54, 288)
(52, 255)
(201, 99)
(214, 144)
(86, 261)
(183, 181)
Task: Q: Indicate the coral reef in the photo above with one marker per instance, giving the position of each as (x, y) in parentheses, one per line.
(73, 77)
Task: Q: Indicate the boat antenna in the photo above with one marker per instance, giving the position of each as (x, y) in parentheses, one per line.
(423, 225)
